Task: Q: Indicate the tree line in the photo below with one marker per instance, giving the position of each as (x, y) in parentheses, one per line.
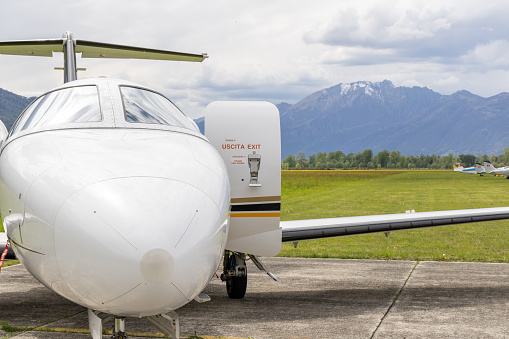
(385, 159)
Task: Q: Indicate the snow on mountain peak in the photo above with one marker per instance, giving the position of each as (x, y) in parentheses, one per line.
(370, 88)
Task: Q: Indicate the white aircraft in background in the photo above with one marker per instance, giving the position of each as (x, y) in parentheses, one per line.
(112, 198)
(490, 169)
(477, 169)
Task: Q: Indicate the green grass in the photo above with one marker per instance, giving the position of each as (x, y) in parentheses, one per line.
(326, 194)
(7, 327)
(10, 263)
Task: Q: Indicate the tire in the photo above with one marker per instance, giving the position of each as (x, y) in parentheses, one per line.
(236, 287)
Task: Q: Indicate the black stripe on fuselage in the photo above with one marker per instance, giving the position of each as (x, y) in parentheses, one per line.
(274, 206)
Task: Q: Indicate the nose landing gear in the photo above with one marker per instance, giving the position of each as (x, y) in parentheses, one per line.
(167, 323)
(119, 329)
(235, 274)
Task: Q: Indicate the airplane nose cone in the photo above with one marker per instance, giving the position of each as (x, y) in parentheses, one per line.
(156, 266)
(138, 246)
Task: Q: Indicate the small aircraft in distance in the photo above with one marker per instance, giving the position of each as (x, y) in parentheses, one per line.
(490, 169)
(477, 169)
(112, 198)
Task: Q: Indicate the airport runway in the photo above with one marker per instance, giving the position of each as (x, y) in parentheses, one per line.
(315, 298)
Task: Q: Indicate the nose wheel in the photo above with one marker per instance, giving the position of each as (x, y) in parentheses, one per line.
(235, 274)
(119, 335)
(236, 287)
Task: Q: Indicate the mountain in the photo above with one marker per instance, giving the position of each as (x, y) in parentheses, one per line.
(11, 105)
(377, 115)
(201, 124)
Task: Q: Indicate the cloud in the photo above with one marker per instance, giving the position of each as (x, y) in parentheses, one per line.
(433, 31)
(451, 80)
(248, 81)
(270, 50)
(377, 27)
(412, 83)
(355, 56)
(489, 55)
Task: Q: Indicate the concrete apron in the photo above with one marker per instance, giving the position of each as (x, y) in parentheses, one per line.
(315, 298)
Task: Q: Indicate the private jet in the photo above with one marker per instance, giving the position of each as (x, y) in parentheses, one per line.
(477, 169)
(112, 198)
(502, 171)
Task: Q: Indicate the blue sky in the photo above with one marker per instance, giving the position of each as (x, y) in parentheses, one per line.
(270, 50)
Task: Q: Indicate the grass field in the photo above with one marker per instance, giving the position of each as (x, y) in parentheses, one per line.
(325, 194)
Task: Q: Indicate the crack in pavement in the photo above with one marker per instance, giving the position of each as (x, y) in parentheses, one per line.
(394, 300)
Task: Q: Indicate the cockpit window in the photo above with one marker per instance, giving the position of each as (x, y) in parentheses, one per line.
(75, 104)
(148, 107)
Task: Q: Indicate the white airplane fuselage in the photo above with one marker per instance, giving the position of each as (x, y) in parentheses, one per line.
(125, 218)
(477, 169)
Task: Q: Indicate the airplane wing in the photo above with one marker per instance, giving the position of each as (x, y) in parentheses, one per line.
(91, 49)
(500, 171)
(32, 47)
(297, 230)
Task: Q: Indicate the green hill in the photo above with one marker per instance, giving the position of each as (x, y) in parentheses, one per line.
(11, 106)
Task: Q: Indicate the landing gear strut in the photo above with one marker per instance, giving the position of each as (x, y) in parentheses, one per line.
(167, 323)
(119, 329)
(235, 274)
(95, 322)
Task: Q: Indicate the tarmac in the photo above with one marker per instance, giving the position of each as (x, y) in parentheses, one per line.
(314, 298)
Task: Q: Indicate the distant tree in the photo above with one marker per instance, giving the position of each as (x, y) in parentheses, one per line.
(321, 161)
(467, 160)
(383, 158)
(289, 162)
(334, 160)
(386, 159)
(494, 159)
(366, 157)
(312, 161)
(394, 159)
(504, 158)
(447, 161)
(350, 160)
(302, 161)
(335, 156)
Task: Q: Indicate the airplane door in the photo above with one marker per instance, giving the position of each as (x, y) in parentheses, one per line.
(248, 137)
